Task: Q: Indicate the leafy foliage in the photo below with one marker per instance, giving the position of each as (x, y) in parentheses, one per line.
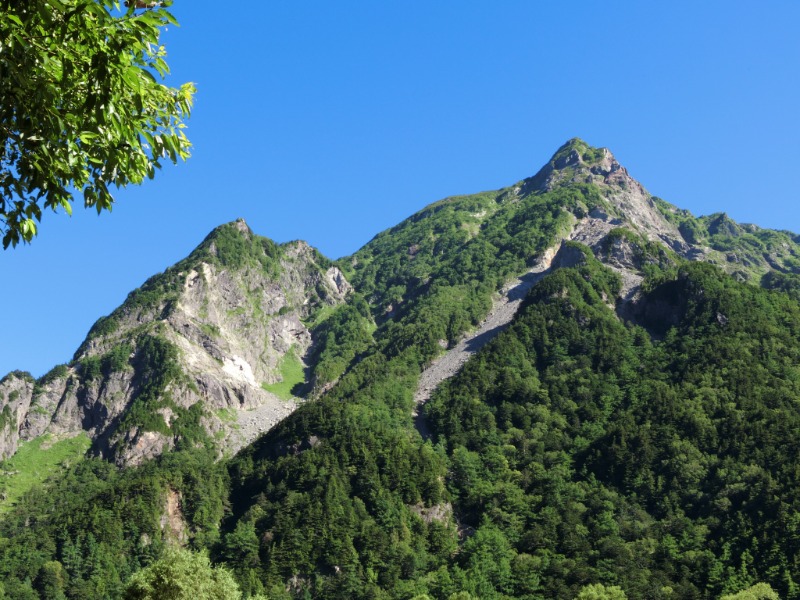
(598, 591)
(587, 444)
(760, 591)
(331, 492)
(343, 335)
(182, 575)
(785, 282)
(106, 525)
(34, 462)
(80, 106)
(229, 247)
(436, 246)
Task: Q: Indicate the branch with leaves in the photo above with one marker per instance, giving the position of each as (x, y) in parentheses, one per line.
(82, 106)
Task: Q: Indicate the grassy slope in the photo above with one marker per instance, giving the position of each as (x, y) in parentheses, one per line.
(34, 462)
(292, 373)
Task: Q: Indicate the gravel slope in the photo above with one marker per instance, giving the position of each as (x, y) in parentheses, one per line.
(499, 317)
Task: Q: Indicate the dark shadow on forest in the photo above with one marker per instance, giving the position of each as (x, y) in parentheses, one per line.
(479, 341)
(519, 291)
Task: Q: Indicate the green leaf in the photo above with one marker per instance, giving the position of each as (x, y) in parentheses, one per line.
(58, 5)
(28, 229)
(67, 206)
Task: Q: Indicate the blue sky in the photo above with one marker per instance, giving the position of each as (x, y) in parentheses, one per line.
(331, 121)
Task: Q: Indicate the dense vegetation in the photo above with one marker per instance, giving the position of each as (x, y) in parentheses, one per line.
(576, 456)
(57, 140)
(345, 334)
(600, 456)
(87, 531)
(337, 490)
(573, 450)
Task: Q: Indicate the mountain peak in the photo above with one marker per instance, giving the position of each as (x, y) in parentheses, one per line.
(578, 162)
(576, 151)
(575, 162)
(239, 225)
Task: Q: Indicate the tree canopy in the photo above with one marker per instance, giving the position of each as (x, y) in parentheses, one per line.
(182, 575)
(82, 108)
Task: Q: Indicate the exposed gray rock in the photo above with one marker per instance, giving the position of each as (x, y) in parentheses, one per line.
(44, 404)
(232, 328)
(568, 256)
(337, 282)
(438, 512)
(16, 393)
(630, 202)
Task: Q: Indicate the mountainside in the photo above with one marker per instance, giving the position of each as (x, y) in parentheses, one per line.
(544, 391)
(192, 356)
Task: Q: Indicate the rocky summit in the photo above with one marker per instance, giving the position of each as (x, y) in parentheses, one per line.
(566, 388)
(195, 350)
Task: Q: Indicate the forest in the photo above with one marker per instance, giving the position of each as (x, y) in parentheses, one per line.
(564, 389)
(578, 455)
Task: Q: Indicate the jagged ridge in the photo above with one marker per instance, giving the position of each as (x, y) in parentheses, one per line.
(187, 356)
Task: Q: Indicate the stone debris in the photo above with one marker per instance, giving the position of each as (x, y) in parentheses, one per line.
(498, 319)
(252, 424)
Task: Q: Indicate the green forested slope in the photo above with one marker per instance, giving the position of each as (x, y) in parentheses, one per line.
(606, 457)
(333, 493)
(338, 487)
(658, 455)
(87, 531)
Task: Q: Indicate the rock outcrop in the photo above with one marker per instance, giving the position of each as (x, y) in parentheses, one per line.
(187, 355)
(627, 200)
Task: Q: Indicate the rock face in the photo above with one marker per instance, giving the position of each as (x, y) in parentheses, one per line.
(745, 251)
(16, 390)
(627, 229)
(188, 354)
(629, 202)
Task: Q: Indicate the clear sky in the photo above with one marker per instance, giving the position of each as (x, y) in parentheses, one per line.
(331, 121)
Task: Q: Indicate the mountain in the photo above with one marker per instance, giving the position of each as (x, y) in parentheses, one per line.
(200, 353)
(564, 388)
